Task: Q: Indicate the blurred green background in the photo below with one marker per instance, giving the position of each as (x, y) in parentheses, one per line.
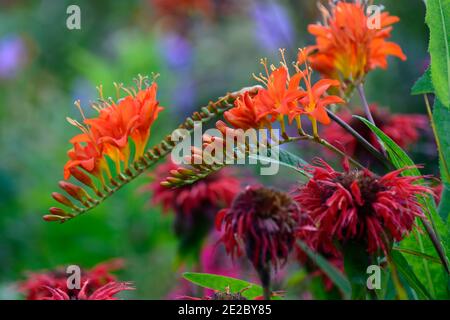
(200, 53)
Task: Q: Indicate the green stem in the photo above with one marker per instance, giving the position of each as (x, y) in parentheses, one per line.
(326, 144)
(366, 144)
(365, 104)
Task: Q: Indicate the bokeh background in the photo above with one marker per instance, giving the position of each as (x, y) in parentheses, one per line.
(201, 51)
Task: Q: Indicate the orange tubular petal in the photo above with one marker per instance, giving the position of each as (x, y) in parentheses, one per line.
(321, 115)
(330, 100)
(317, 30)
(321, 86)
(391, 48)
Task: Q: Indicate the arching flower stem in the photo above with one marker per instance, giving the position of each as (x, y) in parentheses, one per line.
(366, 144)
(365, 104)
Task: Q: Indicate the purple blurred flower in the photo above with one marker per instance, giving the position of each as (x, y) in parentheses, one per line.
(12, 55)
(176, 50)
(273, 25)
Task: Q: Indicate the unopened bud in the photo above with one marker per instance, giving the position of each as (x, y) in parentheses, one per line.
(173, 180)
(63, 200)
(50, 217)
(59, 212)
(186, 172)
(83, 178)
(166, 184)
(75, 191)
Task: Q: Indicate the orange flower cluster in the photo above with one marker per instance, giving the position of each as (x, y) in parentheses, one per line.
(109, 133)
(283, 96)
(350, 43)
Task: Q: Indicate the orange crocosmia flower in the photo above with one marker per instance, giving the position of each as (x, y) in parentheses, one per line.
(246, 113)
(147, 108)
(314, 101)
(131, 117)
(349, 45)
(87, 156)
(282, 93)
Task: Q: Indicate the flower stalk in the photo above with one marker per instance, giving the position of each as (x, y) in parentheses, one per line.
(365, 104)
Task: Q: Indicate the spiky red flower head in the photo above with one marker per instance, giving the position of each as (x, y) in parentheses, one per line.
(106, 292)
(359, 205)
(263, 221)
(404, 129)
(37, 284)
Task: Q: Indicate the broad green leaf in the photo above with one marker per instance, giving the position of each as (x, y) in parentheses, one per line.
(408, 274)
(438, 20)
(424, 84)
(434, 276)
(217, 282)
(331, 271)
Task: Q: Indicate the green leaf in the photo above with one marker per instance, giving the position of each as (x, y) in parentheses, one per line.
(408, 274)
(433, 275)
(419, 254)
(438, 20)
(424, 84)
(356, 261)
(219, 283)
(444, 205)
(331, 271)
(441, 119)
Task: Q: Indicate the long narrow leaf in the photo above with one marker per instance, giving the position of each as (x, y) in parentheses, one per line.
(408, 274)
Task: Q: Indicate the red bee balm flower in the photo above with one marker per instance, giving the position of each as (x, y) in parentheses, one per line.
(106, 292)
(37, 284)
(349, 45)
(359, 205)
(263, 221)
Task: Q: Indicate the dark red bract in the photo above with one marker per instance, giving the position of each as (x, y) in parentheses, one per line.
(263, 221)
